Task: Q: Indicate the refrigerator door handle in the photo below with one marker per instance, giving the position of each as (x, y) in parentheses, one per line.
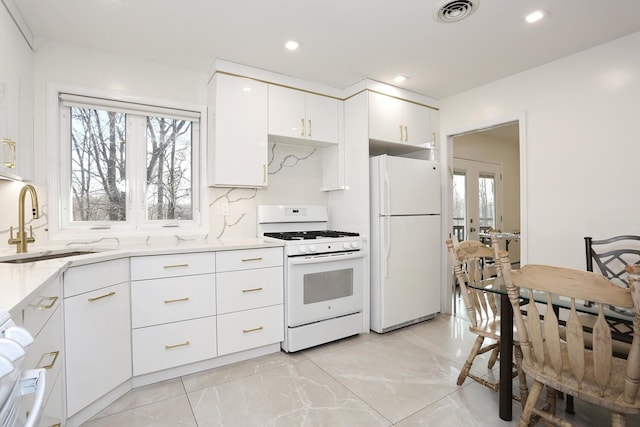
(387, 246)
(386, 190)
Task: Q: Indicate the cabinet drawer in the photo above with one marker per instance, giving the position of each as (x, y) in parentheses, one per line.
(157, 266)
(86, 278)
(250, 329)
(247, 289)
(41, 307)
(174, 344)
(168, 300)
(46, 350)
(248, 258)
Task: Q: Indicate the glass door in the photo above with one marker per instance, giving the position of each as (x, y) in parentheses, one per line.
(477, 198)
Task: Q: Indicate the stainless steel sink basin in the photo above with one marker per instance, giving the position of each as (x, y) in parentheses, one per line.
(26, 258)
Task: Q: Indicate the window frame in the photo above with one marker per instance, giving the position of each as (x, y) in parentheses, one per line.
(61, 227)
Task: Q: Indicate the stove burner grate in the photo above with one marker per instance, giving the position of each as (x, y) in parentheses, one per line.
(308, 235)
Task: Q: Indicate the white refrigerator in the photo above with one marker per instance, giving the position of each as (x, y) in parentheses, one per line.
(405, 241)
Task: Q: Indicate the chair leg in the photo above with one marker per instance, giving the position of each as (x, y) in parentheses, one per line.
(494, 357)
(568, 406)
(524, 389)
(532, 399)
(472, 355)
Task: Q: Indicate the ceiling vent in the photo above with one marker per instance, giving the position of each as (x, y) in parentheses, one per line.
(454, 10)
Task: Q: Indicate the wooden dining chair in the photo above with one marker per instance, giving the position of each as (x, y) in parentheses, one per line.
(594, 375)
(473, 262)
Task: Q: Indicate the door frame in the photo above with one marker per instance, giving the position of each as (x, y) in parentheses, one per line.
(446, 159)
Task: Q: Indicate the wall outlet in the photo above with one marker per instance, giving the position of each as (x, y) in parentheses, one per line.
(224, 208)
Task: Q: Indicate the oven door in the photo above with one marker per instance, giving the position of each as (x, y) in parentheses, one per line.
(324, 286)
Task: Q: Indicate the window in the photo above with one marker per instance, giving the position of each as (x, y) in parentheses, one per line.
(127, 166)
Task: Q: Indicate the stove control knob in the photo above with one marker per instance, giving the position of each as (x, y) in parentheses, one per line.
(346, 245)
(312, 248)
(303, 249)
(354, 245)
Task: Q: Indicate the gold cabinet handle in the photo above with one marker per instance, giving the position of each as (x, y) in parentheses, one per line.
(9, 153)
(176, 266)
(110, 294)
(49, 306)
(246, 331)
(309, 127)
(302, 131)
(169, 301)
(401, 135)
(53, 356)
(182, 344)
(251, 290)
(252, 259)
(406, 134)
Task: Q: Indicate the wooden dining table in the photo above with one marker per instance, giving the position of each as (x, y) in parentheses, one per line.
(496, 285)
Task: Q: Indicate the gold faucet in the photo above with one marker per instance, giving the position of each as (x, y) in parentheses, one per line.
(21, 239)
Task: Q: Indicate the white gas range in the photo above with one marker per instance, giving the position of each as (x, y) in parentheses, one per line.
(324, 274)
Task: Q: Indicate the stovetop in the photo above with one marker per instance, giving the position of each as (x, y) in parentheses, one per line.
(311, 235)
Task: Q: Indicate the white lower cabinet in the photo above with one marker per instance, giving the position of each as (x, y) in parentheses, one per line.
(43, 318)
(174, 319)
(250, 298)
(243, 330)
(98, 343)
(173, 344)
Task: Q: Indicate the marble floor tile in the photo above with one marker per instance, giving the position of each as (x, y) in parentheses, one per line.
(392, 375)
(174, 412)
(299, 394)
(223, 374)
(140, 396)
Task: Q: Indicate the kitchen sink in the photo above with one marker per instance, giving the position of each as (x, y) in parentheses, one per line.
(43, 257)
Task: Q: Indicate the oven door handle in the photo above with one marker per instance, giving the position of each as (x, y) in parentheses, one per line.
(325, 258)
(33, 381)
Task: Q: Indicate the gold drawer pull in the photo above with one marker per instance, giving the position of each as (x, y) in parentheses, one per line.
(169, 347)
(246, 331)
(176, 266)
(53, 354)
(42, 306)
(110, 294)
(168, 301)
(252, 259)
(56, 425)
(251, 290)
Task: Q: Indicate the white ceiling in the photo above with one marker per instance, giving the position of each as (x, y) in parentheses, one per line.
(342, 41)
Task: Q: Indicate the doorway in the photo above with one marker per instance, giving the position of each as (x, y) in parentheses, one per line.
(492, 155)
(477, 198)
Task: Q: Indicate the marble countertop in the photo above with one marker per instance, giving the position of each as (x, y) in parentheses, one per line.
(20, 282)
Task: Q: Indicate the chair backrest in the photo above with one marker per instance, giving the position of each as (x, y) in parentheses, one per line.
(568, 362)
(611, 256)
(474, 262)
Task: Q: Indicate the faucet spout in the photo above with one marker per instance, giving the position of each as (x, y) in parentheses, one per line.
(22, 239)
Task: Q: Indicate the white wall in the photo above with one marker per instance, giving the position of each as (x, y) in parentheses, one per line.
(295, 173)
(582, 140)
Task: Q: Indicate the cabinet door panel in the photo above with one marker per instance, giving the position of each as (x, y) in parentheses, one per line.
(322, 118)
(238, 131)
(250, 329)
(287, 112)
(174, 344)
(172, 299)
(243, 290)
(385, 119)
(416, 122)
(98, 344)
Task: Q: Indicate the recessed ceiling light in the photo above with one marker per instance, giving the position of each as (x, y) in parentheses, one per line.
(535, 16)
(399, 79)
(292, 45)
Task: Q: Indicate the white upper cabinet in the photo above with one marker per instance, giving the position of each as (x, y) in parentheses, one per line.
(16, 102)
(296, 116)
(395, 120)
(238, 145)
